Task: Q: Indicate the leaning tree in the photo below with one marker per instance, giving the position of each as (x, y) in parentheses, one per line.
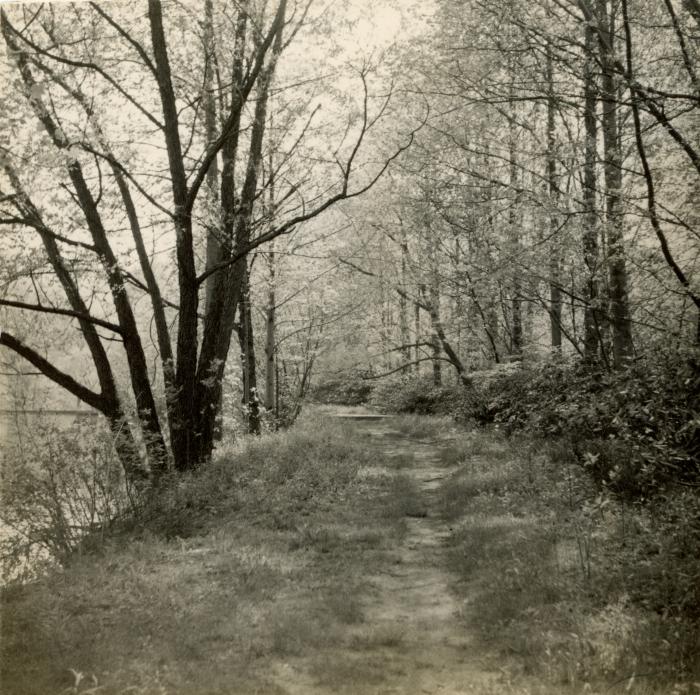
(132, 168)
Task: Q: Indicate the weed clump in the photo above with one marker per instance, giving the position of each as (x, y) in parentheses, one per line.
(238, 562)
(585, 588)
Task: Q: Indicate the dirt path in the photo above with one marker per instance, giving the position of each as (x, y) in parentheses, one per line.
(412, 638)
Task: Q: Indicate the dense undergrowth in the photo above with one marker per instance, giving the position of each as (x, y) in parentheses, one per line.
(635, 430)
(257, 557)
(580, 590)
(591, 568)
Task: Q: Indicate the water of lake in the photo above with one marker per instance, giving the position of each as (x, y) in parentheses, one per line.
(17, 426)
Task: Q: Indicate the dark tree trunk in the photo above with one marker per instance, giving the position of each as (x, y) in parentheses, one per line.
(617, 269)
(213, 252)
(516, 319)
(184, 413)
(591, 253)
(403, 302)
(270, 339)
(417, 331)
(246, 340)
(555, 294)
(226, 291)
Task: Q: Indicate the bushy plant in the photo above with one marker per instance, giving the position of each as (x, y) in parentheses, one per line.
(60, 489)
(347, 388)
(414, 394)
(634, 429)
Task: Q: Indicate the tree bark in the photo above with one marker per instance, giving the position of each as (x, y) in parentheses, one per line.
(184, 415)
(516, 322)
(219, 321)
(403, 303)
(213, 249)
(617, 269)
(270, 336)
(417, 331)
(246, 339)
(591, 253)
(555, 295)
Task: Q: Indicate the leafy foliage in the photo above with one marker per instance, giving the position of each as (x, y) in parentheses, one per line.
(420, 395)
(348, 388)
(61, 490)
(634, 430)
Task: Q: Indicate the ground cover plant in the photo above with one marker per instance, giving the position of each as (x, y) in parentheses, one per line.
(573, 498)
(635, 429)
(259, 556)
(585, 590)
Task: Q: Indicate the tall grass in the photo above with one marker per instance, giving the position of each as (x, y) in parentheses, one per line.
(583, 589)
(255, 557)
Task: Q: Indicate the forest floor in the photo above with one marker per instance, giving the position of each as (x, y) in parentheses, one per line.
(400, 557)
(412, 636)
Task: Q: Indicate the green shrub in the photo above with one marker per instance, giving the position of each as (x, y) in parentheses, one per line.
(60, 491)
(635, 429)
(414, 394)
(347, 388)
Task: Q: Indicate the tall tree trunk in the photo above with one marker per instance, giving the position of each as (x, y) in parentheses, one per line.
(403, 302)
(591, 253)
(516, 319)
(433, 301)
(270, 337)
(271, 310)
(138, 368)
(516, 322)
(457, 301)
(555, 294)
(184, 411)
(246, 339)
(213, 249)
(417, 331)
(385, 327)
(617, 269)
(435, 338)
(238, 213)
(437, 367)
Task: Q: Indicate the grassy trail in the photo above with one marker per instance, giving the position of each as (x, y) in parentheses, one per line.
(348, 556)
(412, 637)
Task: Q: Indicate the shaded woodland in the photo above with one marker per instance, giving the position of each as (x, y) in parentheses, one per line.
(216, 215)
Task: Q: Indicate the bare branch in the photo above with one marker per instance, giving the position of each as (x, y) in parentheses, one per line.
(92, 399)
(62, 312)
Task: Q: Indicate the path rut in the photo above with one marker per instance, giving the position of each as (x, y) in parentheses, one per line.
(417, 638)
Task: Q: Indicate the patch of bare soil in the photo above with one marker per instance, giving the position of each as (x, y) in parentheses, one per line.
(412, 638)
